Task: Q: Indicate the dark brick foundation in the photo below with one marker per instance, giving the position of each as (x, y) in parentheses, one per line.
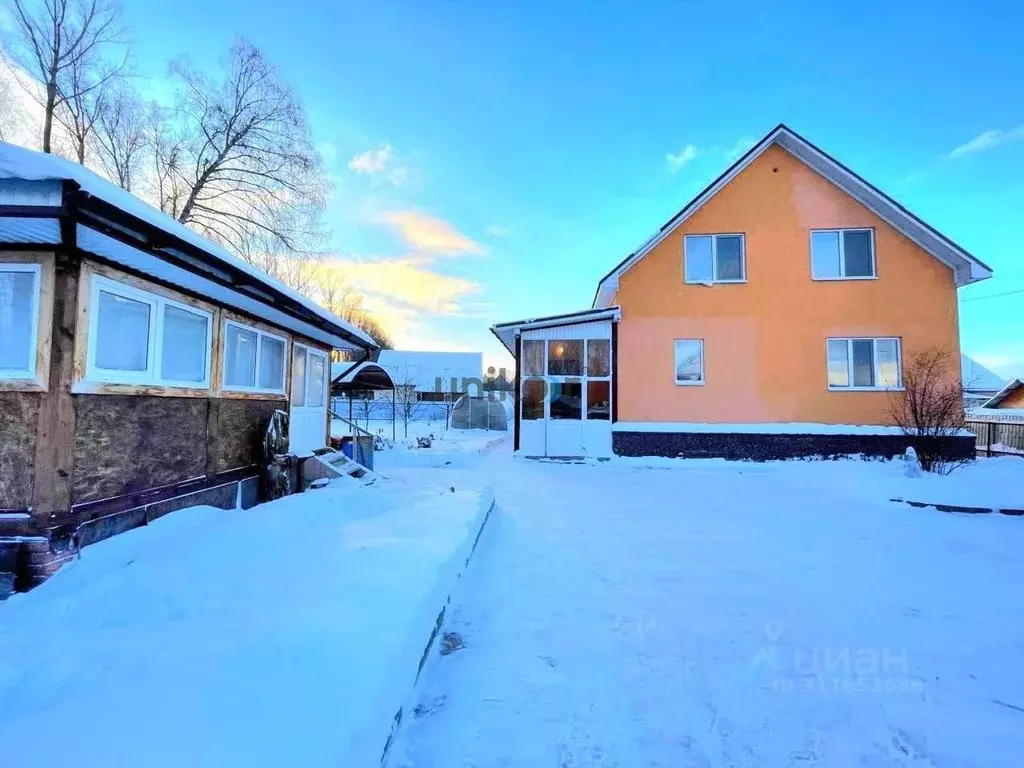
(771, 447)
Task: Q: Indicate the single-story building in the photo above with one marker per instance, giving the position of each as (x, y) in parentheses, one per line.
(433, 376)
(139, 364)
(979, 383)
(772, 316)
(1010, 397)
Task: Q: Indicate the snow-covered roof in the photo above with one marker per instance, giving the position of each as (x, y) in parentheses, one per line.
(424, 368)
(19, 163)
(978, 378)
(966, 268)
(1002, 394)
(506, 332)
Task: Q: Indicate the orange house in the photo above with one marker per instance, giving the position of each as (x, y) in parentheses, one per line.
(770, 317)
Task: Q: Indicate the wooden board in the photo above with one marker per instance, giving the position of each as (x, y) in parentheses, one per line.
(19, 414)
(129, 443)
(239, 432)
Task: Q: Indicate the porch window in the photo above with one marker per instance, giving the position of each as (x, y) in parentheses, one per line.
(565, 357)
(138, 337)
(19, 320)
(533, 400)
(566, 400)
(253, 359)
(533, 357)
(599, 404)
(714, 259)
(599, 357)
(842, 254)
(689, 361)
(857, 364)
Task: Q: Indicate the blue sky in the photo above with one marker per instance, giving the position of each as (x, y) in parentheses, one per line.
(493, 159)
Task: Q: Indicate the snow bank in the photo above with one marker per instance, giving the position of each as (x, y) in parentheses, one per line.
(289, 634)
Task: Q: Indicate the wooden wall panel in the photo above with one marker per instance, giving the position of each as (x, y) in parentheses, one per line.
(239, 431)
(19, 414)
(129, 443)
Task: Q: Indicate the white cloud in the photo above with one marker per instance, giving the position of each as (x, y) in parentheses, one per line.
(684, 156)
(988, 140)
(372, 161)
(431, 235)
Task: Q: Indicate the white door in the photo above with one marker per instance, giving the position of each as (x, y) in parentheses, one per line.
(309, 399)
(565, 417)
(532, 417)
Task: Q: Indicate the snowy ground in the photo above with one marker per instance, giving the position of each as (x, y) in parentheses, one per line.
(448, 446)
(644, 613)
(284, 635)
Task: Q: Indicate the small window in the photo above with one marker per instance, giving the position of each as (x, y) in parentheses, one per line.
(714, 259)
(567, 400)
(532, 400)
(863, 364)
(138, 337)
(533, 357)
(565, 357)
(599, 404)
(253, 359)
(689, 361)
(842, 254)
(599, 357)
(19, 320)
(298, 375)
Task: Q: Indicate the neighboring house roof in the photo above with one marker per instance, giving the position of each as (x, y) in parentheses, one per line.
(507, 332)
(422, 369)
(967, 268)
(361, 377)
(977, 378)
(1002, 394)
(20, 164)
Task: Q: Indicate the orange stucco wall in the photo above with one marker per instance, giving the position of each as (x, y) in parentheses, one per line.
(764, 340)
(1013, 400)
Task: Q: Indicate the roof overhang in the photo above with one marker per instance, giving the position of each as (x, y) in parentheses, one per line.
(364, 377)
(1002, 394)
(966, 268)
(506, 333)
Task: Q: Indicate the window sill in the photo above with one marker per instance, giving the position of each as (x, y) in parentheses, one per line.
(866, 389)
(86, 387)
(841, 279)
(690, 383)
(710, 283)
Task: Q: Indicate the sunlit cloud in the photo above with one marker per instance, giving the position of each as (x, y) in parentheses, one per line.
(681, 158)
(431, 235)
(372, 160)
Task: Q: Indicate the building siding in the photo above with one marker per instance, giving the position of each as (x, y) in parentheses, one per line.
(764, 340)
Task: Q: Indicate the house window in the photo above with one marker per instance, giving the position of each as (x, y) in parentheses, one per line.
(253, 359)
(842, 254)
(533, 357)
(864, 364)
(138, 337)
(599, 357)
(714, 259)
(689, 361)
(19, 320)
(533, 399)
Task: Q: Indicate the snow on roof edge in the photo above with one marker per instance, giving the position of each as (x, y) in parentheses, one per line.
(28, 165)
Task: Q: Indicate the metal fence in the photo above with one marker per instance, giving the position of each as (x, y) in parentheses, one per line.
(997, 435)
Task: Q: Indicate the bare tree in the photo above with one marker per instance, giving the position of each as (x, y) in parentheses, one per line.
(121, 137)
(405, 397)
(58, 36)
(243, 158)
(332, 290)
(930, 409)
(80, 110)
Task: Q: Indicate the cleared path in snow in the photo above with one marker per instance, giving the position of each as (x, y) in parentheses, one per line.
(724, 615)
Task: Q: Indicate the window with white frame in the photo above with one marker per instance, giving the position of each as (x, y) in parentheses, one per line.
(19, 320)
(689, 361)
(714, 259)
(864, 363)
(842, 254)
(139, 337)
(253, 359)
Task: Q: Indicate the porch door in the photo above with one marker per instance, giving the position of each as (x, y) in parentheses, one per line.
(309, 399)
(565, 416)
(532, 417)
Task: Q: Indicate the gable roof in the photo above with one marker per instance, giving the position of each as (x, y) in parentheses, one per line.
(1002, 394)
(978, 378)
(19, 164)
(968, 269)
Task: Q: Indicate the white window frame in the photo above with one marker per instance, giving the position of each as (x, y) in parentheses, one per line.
(842, 253)
(675, 366)
(874, 362)
(714, 258)
(37, 272)
(260, 334)
(152, 376)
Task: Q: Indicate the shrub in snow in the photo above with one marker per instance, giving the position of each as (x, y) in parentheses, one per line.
(424, 441)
